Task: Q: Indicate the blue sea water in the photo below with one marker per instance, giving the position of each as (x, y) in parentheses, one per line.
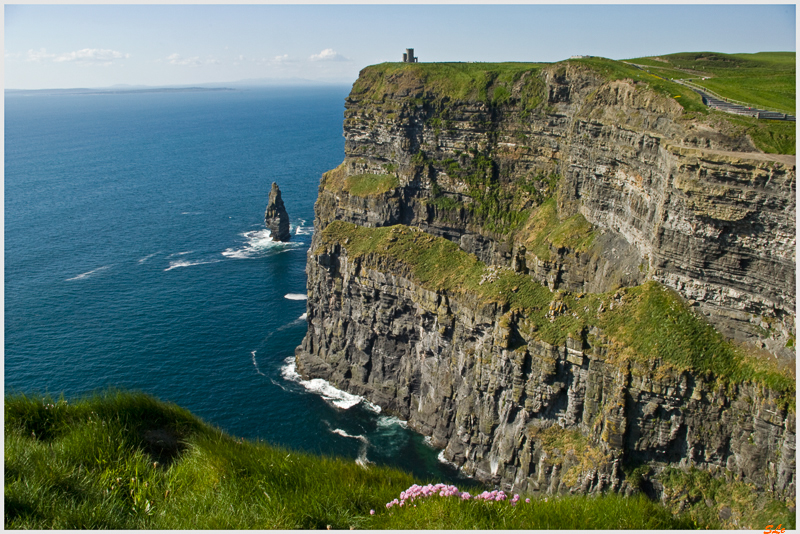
(136, 257)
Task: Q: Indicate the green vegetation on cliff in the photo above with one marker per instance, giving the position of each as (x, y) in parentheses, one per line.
(364, 185)
(617, 70)
(129, 461)
(764, 79)
(644, 324)
(491, 83)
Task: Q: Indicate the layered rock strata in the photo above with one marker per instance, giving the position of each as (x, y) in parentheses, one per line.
(275, 217)
(584, 185)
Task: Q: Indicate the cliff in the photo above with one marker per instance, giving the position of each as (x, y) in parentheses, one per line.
(559, 272)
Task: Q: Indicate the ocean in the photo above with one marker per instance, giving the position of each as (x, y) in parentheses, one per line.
(136, 257)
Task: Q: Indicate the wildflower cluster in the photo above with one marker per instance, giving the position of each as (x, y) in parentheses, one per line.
(443, 490)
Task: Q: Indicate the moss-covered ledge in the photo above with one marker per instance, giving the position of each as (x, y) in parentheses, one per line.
(647, 325)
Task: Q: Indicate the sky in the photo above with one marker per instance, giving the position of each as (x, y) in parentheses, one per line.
(69, 46)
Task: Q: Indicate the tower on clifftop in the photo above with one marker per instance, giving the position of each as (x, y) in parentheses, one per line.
(408, 56)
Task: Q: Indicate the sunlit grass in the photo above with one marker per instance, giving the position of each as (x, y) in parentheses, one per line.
(92, 464)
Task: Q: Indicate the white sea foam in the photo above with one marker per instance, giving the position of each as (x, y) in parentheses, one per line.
(295, 296)
(142, 260)
(258, 242)
(345, 434)
(362, 452)
(176, 264)
(255, 363)
(191, 213)
(340, 399)
(444, 460)
(88, 274)
(303, 317)
(180, 253)
(389, 420)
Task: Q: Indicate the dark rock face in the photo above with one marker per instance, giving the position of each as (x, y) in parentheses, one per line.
(669, 200)
(276, 218)
(447, 365)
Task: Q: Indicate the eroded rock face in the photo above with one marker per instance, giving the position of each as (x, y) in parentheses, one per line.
(448, 366)
(275, 218)
(667, 199)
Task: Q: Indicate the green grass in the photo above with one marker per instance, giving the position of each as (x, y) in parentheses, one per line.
(705, 495)
(764, 79)
(772, 137)
(545, 229)
(616, 70)
(366, 185)
(89, 463)
(645, 323)
(487, 82)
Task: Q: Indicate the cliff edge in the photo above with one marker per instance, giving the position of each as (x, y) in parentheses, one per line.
(563, 274)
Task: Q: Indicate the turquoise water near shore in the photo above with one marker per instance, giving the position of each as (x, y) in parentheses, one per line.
(136, 257)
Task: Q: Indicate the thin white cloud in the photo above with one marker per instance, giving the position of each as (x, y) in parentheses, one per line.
(37, 56)
(329, 54)
(281, 59)
(177, 59)
(91, 56)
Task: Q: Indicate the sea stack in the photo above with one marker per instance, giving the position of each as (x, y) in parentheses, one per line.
(276, 218)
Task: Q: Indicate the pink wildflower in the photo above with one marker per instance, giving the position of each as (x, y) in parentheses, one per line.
(372, 512)
(527, 500)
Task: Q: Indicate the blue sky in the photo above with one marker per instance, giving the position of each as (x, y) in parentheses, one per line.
(57, 46)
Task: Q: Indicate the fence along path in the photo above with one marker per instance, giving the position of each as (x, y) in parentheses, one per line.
(727, 105)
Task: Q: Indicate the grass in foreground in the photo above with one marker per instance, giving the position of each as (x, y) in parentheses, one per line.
(128, 461)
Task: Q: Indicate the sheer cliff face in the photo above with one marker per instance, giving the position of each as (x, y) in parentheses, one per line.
(558, 184)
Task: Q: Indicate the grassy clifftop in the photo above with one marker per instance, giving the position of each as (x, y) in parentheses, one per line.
(763, 79)
(491, 83)
(126, 460)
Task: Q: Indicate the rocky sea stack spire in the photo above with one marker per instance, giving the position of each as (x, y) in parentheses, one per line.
(276, 218)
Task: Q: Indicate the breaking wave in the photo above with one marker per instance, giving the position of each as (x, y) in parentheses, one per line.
(295, 296)
(176, 264)
(88, 274)
(389, 420)
(340, 399)
(444, 460)
(257, 243)
(142, 260)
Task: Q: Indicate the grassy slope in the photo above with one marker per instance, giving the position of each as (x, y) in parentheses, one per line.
(486, 82)
(645, 323)
(763, 79)
(365, 185)
(616, 70)
(89, 464)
